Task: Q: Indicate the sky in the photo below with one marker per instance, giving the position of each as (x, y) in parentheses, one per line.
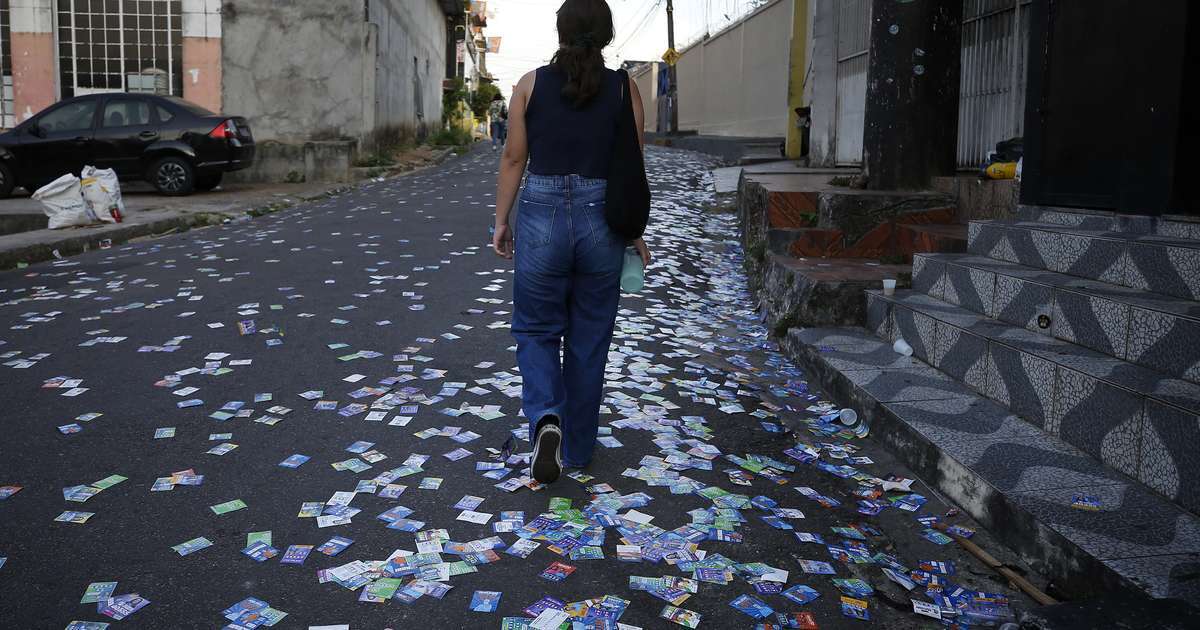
(529, 38)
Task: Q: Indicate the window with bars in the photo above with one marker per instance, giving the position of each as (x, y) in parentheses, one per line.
(8, 118)
(120, 46)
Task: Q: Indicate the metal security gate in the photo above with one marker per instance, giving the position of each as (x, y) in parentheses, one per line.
(995, 42)
(8, 118)
(853, 48)
(120, 46)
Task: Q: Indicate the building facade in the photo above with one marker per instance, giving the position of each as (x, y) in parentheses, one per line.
(748, 79)
(340, 71)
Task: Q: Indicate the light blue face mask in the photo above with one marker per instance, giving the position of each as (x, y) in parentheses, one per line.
(633, 276)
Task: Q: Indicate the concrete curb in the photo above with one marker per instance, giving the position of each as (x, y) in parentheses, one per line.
(67, 244)
(77, 244)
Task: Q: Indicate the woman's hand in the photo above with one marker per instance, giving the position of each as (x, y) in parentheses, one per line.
(502, 241)
(644, 251)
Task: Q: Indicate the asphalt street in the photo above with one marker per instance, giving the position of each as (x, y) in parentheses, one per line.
(382, 313)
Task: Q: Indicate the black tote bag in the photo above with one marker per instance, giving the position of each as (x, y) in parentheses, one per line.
(627, 198)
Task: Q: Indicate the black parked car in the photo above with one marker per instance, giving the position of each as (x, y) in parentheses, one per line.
(177, 146)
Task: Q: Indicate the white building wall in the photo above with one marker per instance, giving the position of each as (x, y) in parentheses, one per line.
(735, 83)
(408, 93)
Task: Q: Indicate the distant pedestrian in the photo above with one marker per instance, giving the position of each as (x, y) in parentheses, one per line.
(498, 113)
(568, 260)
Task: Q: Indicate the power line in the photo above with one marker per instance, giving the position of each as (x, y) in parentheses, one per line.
(646, 20)
(633, 18)
(640, 24)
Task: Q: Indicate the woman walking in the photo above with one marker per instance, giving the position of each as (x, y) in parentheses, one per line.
(562, 119)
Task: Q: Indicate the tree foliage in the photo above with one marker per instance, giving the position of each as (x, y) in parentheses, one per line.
(482, 99)
(452, 99)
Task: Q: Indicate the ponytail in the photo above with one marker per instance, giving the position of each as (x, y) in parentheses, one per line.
(584, 28)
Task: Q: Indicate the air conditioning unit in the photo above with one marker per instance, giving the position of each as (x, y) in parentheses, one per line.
(148, 81)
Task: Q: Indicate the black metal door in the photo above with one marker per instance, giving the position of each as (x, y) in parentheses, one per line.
(1102, 116)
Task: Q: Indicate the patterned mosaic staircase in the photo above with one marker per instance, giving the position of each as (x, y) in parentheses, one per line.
(1091, 335)
(1059, 356)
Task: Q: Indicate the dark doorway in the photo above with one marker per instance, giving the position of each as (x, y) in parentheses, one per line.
(1105, 114)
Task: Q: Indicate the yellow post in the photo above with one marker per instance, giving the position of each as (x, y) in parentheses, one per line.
(797, 65)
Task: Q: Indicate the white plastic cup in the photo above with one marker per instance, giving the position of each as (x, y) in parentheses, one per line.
(848, 416)
(901, 347)
(889, 286)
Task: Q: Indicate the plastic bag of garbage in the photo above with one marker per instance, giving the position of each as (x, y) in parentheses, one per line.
(102, 193)
(62, 201)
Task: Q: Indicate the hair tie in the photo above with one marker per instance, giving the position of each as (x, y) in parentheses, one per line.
(585, 41)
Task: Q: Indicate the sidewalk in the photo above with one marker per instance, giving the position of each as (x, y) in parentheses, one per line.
(146, 213)
(149, 214)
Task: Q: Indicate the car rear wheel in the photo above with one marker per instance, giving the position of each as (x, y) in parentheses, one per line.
(173, 176)
(205, 183)
(6, 181)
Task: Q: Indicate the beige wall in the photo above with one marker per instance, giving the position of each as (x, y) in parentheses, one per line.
(35, 81)
(202, 53)
(736, 82)
(646, 79)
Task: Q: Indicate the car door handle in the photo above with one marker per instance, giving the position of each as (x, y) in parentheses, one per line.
(82, 139)
(148, 135)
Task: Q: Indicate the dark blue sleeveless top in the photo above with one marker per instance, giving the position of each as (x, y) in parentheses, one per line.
(564, 140)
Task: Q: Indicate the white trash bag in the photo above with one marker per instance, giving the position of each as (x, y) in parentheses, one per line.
(62, 201)
(102, 194)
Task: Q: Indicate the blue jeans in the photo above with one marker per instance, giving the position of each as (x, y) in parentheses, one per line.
(568, 273)
(497, 133)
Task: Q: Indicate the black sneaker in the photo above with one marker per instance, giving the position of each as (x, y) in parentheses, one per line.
(546, 464)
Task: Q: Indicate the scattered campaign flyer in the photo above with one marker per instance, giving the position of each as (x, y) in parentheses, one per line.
(228, 506)
(294, 461)
(98, 592)
(801, 594)
(681, 616)
(752, 607)
(557, 571)
(74, 517)
(335, 545)
(192, 546)
(296, 554)
(485, 601)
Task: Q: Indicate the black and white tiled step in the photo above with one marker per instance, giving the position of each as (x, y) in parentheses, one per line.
(1136, 420)
(1170, 226)
(1015, 479)
(1152, 330)
(1150, 262)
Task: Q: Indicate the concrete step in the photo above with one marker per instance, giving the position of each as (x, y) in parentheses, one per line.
(1015, 479)
(760, 156)
(885, 240)
(1152, 330)
(818, 292)
(1134, 419)
(937, 237)
(1150, 262)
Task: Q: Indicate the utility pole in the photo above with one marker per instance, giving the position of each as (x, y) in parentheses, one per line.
(672, 77)
(910, 131)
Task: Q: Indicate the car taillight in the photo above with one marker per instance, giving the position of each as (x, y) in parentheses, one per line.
(224, 130)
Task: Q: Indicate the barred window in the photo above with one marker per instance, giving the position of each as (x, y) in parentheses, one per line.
(8, 118)
(120, 46)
